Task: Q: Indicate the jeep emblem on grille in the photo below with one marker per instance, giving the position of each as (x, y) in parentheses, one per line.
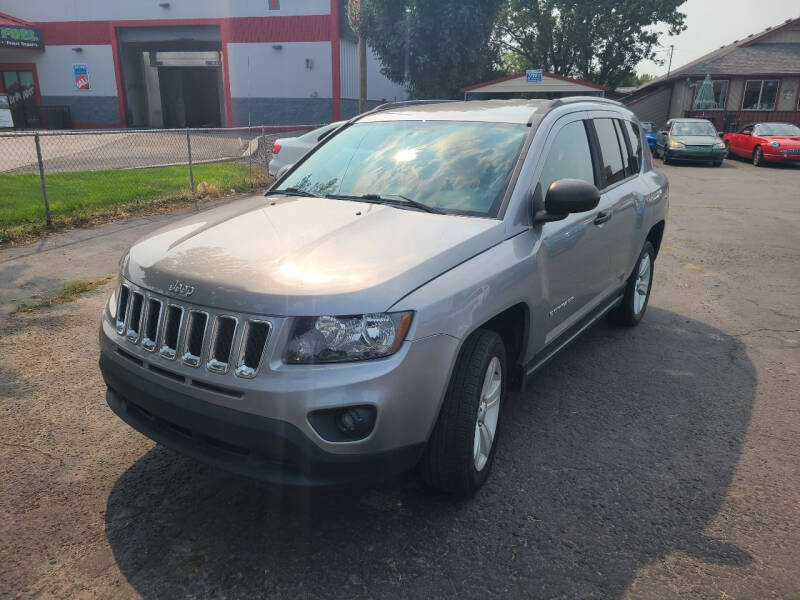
(183, 289)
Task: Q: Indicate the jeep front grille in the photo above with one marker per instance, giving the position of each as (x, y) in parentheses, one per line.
(201, 339)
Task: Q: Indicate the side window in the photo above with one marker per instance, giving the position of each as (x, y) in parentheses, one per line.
(636, 141)
(626, 158)
(569, 157)
(611, 155)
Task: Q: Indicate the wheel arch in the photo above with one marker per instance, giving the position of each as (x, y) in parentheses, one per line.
(656, 235)
(513, 326)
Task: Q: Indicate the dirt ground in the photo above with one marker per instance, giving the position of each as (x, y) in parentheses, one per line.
(658, 462)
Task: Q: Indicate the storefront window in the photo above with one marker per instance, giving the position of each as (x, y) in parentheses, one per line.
(760, 94)
(720, 93)
(20, 86)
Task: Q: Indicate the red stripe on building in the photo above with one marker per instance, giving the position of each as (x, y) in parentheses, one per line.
(313, 28)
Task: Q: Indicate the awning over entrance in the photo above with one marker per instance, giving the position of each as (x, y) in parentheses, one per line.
(546, 85)
(16, 33)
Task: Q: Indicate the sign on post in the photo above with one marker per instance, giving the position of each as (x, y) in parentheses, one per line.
(533, 75)
(80, 71)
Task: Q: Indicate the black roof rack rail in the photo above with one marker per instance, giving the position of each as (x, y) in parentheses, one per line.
(573, 99)
(403, 103)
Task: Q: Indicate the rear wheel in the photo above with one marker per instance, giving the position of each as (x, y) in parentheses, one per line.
(637, 291)
(758, 157)
(460, 452)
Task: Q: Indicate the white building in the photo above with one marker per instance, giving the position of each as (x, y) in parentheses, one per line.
(151, 63)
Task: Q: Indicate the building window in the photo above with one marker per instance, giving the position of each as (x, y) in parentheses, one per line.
(20, 87)
(760, 94)
(720, 93)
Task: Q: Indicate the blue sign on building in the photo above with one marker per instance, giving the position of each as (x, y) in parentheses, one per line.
(533, 75)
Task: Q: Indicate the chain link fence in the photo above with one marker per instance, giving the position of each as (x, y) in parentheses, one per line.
(53, 179)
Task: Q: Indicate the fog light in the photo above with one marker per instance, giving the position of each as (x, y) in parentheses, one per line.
(344, 424)
(353, 423)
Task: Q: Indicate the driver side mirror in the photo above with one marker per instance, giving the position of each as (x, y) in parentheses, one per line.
(665, 132)
(567, 196)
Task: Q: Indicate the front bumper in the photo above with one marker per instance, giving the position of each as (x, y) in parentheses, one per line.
(263, 430)
(688, 154)
(774, 155)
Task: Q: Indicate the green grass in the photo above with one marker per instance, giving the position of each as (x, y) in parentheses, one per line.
(88, 196)
(70, 290)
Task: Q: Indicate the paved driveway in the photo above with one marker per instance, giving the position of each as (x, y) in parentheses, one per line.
(658, 462)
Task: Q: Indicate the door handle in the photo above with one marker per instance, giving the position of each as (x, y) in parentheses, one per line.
(602, 217)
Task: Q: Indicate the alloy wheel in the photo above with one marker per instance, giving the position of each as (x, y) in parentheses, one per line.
(488, 413)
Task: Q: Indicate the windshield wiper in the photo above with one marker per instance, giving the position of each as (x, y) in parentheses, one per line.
(378, 199)
(292, 191)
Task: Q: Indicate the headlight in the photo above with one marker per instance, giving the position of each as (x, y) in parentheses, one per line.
(719, 146)
(674, 144)
(775, 144)
(329, 339)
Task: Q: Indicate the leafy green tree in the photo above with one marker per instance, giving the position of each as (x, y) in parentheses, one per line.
(597, 40)
(435, 47)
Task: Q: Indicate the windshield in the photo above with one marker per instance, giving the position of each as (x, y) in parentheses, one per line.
(455, 166)
(693, 128)
(777, 129)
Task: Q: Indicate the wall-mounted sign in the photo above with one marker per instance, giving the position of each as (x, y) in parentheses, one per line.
(80, 71)
(274, 4)
(533, 75)
(6, 118)
(20, 37)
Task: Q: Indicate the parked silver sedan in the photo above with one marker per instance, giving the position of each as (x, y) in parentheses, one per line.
(287, 151)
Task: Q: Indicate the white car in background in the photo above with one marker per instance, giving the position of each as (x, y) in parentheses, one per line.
(286, 151)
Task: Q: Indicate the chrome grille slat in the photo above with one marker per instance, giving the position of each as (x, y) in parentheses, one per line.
(171, 332)
(221, 346)
(194, 336)
(122, 308)
(134, 318)
(152, 322)
(252, 348)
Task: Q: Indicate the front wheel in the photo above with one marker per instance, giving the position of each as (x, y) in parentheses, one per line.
(637, 291)
(758, 157)
(461, 449)
(717, 163)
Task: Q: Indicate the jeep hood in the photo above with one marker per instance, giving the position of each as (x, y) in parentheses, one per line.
(296, 256)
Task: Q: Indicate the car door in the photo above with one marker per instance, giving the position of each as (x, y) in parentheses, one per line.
(745, 142)
(622, 194)
(574, 266)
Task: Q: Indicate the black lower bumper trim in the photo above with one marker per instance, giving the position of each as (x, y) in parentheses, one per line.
(251, 445)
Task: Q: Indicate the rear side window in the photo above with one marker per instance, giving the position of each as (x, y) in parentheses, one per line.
(626, 157)
(611, 151)
(636, 141)
(569, 157)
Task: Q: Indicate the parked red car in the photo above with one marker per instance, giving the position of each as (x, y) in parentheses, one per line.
(765, 142)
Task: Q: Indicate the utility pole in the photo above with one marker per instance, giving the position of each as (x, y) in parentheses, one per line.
(671, 51)
(362, 68)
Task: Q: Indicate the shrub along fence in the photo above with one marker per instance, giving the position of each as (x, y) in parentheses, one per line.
(52, 179)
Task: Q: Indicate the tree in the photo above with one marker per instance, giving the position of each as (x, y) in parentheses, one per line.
(634, 80)
(597, 40)
(435, 47)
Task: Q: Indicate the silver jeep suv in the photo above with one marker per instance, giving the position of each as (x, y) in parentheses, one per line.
(372, 311)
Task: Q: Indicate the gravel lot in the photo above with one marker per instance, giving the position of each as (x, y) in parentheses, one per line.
(659, 462)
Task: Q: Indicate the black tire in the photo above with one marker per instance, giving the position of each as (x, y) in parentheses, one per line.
(626, 314)
(666, 158)
(758, 157)
(718, 163)
(448, 462)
